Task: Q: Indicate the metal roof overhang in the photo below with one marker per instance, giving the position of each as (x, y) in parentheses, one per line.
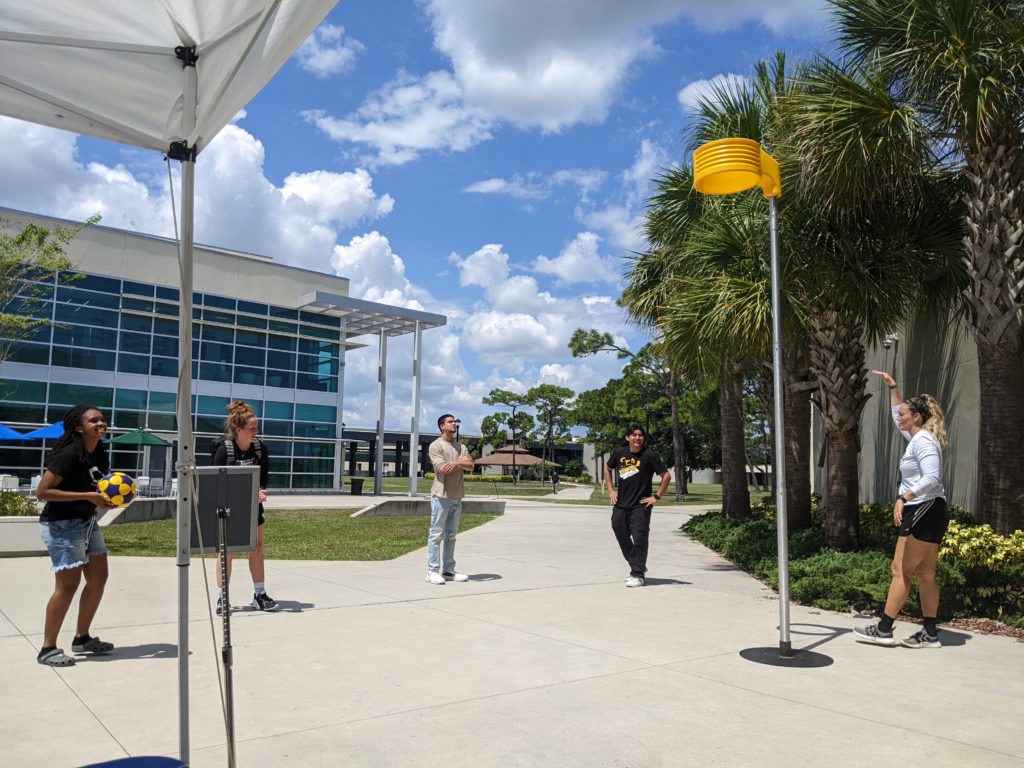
(364, 317)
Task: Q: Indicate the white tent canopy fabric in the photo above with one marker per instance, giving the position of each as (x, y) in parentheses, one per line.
(108, 68)
(167, 75)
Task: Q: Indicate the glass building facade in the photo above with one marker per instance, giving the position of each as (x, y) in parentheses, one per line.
(108, 325)
(113, 343)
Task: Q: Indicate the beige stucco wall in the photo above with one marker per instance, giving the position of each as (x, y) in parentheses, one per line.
(937, 357)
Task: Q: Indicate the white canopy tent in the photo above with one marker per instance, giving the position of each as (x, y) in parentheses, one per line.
(167, 75)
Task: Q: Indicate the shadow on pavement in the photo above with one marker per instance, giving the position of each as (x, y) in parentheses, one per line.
(127, 652)
(661, 582)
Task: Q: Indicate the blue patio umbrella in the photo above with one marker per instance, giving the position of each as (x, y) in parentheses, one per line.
(51, 432)
(6, 433)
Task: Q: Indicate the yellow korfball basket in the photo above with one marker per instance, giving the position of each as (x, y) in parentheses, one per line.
(727, 166)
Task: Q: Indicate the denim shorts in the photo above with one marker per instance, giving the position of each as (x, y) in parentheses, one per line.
(72, 542)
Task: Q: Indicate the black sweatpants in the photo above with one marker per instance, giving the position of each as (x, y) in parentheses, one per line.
(632, 529)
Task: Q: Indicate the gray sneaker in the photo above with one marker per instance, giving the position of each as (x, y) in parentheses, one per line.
(874, 635)
(921, 639)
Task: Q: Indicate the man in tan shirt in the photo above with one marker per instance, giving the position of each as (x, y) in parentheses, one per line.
(450, 460)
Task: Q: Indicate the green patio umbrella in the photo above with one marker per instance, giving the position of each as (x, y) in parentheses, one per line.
(140, 437)
(145, 439)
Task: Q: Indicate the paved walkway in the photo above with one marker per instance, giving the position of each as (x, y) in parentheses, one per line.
(543, 658)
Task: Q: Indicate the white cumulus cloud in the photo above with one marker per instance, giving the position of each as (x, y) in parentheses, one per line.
(328, 51)
(692, 94)
(408, 116)
(485, 267)
(579, 262)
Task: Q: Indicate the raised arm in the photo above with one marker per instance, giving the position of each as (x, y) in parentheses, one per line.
(895, 398)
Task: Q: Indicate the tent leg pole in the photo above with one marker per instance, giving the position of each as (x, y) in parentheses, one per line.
(186, 459)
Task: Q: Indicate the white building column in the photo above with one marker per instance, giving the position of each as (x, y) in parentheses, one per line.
(382, 377)
(414, 433)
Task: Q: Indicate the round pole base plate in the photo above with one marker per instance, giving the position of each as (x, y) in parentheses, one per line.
(796, 658)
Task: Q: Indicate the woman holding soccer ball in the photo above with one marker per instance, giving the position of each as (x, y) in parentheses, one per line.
(68, 526)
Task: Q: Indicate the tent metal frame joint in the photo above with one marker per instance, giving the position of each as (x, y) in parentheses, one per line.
(182, 152)
(186, 54)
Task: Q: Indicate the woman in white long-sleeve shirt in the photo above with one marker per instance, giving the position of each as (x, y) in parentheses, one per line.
(921, 515)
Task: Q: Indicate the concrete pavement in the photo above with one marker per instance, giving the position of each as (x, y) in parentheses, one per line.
(542, 658)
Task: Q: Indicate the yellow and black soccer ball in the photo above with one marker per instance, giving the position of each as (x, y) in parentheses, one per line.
(117, 488)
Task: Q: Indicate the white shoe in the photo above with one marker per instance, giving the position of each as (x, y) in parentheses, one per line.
(634, 581)
(456, 576)
(433, 577)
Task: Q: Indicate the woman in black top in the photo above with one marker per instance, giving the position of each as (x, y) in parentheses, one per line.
(240, 446)
(68, 527)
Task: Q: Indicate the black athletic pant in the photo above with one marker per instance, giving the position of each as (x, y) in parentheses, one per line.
(632, 529)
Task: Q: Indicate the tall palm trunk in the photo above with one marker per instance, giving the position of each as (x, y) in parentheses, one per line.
(837, 361)
(735, 493)
(995, 263)
(797, 413)
(678, 439)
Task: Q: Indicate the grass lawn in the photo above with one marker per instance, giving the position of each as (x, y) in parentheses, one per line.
(696, 493)
(299, 535)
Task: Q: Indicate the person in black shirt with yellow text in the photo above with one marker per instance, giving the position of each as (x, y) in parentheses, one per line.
(633, 502)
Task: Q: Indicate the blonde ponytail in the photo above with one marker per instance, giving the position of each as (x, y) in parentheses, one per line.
(932, 415)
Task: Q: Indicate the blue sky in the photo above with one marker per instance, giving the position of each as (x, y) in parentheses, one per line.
(483, 159)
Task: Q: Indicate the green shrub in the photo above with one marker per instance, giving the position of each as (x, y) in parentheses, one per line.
(750, 542)
(980, 573)
(13, 504)
(575, 468)
(839, 581)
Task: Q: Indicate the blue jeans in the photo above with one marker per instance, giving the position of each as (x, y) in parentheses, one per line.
(444, 523)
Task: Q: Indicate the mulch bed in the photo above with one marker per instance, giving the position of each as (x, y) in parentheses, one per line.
(986, 627)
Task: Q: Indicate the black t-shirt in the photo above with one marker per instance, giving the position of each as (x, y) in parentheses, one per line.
(635, 473)
(247, 458)
(76, 476)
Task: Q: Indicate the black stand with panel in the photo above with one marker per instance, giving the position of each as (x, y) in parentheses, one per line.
(226, 512)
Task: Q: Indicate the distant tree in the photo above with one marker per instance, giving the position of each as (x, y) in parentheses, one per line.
(595, 409)
(554, 416)
(494, 432)
(512, 401)
(29, 259)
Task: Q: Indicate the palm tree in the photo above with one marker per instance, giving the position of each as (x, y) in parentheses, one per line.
(844, 260)
(960, 63)
(874, 221)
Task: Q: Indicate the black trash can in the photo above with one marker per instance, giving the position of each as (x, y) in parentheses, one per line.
(357, 486)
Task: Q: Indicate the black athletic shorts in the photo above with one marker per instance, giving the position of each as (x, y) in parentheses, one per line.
(926, 522)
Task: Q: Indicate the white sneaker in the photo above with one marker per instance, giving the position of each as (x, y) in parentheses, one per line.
(454, 576)
(433, 577)
(634, 581)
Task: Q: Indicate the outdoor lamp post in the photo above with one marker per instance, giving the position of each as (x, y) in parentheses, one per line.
(515, 480)
(725, 167)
